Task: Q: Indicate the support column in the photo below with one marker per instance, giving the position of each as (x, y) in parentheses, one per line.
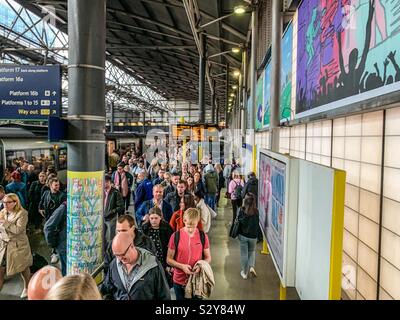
(253, 79)
(86, 142)
(244, 94)
(202, 79)
(227, 95)
(213, 106)
(144, 122)
(112, 117)
(275, 73)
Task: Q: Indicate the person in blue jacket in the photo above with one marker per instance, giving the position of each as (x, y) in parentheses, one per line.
(18, 187)
(166, 209)
(55, 233)
(144, 190)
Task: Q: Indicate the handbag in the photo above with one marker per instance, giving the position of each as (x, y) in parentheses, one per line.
(234, 232)
(227, 195)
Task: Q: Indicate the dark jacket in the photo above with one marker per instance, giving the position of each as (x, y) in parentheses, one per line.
(50, 202)
(165, 234)
(200, 187)
(211, 182)
(55, 229)
(147, 205)
(221, 180)
(32, 177)
(248, 225)
(251, 186)
(114, 206)
(174, 200)
(157, 181)
(169, 189)
(141, 241)
(34, 196)
(149, 284)
(143, 192)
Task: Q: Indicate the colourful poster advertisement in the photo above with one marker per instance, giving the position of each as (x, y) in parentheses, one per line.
(345, 49)
(260, 99)
(267, 95)
(271, 204)
(286, 74)
(85, 221)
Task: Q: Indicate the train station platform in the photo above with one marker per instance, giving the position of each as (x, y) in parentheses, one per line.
(225, 255)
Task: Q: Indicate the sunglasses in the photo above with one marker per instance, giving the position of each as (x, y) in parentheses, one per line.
(123, 255)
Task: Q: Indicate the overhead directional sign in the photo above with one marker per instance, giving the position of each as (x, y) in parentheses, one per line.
(30, 92)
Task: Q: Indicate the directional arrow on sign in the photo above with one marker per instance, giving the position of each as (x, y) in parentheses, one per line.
(54, 103)
(54, 93)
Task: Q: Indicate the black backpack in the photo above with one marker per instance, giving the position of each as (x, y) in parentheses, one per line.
(177, 236)
(238, 191)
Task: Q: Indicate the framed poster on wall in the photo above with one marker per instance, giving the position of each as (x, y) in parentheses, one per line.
(277, 205)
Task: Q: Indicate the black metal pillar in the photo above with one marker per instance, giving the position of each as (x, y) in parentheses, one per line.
(144, 122)
(202, 78)
(86, 143)
(112, 117)
(275, 73)
(213, 105)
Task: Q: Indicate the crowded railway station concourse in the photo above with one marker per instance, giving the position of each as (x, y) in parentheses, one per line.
(199, 150)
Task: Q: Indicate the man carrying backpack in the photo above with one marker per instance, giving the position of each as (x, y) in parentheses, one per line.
(211, 186)
(235, 190)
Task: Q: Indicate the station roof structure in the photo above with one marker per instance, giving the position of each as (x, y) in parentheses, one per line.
(156, 42)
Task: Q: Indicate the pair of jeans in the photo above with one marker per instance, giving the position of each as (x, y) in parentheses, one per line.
(210, 200)
(247, 253)
(63, 260)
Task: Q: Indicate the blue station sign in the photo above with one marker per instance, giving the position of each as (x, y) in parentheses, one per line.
(30, 92)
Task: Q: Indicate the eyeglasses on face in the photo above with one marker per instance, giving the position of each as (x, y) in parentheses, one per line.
(123, 255)
(9, 201)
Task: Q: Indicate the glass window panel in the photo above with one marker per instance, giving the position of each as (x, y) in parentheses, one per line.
(370, 177)
(326, 161)
(338, 147)
(368, 232)
(338, 163)
(317, 129)
(390, 215)
(383, 295)
(316, 158)
(391, 184)
(352, 147)
(372, 123)
(371, 150)
(353, 126)
(392, 122)
(350, 245)
(391, 247)
(352, 197)
(366, 285)
(368, 260)
(316, 145)
(326, 128)
(326, 146)
(390, 279)
(352, 172)
(351, 221)
(302, 144)
(339, 127)
(392, 151)
(369, 205)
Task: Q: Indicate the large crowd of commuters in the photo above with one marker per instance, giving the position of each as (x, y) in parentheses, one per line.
(156, 215)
